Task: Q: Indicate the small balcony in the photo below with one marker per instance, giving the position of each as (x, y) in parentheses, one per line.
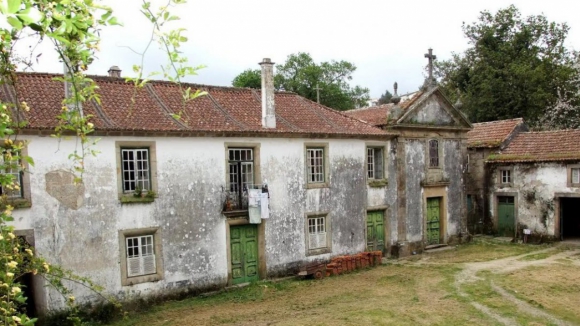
(235, 203)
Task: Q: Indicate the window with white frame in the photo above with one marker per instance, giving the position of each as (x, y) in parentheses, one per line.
(375, 163)
(10, 166)
(241, 173)
(433, 153)
(140, 252)
(506, 176)
(135, 169)
(140, 256)
(575, 174)
(315, 165)
(317, 232)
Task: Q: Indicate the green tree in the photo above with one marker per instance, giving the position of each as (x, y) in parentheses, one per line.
(301, 75)
(251, 78)
(385, 98)
(515, 67)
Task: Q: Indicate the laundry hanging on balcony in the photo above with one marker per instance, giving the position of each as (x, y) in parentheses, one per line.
(254, 209)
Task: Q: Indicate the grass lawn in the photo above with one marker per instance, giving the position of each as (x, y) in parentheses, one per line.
(482, 283)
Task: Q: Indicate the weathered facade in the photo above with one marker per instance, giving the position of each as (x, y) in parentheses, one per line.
(535, 186)
(428, 159)
(483, 140)
(169, 205)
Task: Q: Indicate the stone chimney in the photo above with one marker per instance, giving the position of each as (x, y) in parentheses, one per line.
(114, 71)
(268, 105)
(68, 88)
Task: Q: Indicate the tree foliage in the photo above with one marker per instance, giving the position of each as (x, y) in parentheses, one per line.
(515, 67)
(301, 75)
(385, 97)
(72, 27)
(251, 78)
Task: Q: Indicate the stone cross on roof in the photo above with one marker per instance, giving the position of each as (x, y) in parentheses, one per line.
(430, 81)
(317, 93)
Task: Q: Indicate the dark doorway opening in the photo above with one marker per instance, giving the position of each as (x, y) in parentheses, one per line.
(27, 281)
(570, 218)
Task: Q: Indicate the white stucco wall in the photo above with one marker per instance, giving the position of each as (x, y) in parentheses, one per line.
(191, 176)
(536, 187)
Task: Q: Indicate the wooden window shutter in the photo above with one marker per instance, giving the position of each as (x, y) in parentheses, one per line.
(133, 266)
(149, 264)
(321, 240)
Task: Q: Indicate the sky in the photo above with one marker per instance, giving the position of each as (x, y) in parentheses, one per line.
(385, 39)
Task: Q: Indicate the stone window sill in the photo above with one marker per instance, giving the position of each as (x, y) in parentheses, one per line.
(317, 185)
(129, 281)
(319, 251)
(236, 213)
(378, 183)
(130, 199)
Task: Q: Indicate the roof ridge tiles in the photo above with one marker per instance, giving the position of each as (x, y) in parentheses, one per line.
(551, 131)
(497, 121)
(153, 81)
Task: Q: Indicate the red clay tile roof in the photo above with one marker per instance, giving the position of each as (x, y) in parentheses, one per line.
(377, 115)
(543, 146)
(223, 110)
(491, 134)
(374, 115)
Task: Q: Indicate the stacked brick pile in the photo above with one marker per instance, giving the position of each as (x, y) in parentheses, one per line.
(344, 264)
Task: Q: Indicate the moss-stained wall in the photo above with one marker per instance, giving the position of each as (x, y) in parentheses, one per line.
(415, 174)
(537, 188)
(454, 159)
(191, 178)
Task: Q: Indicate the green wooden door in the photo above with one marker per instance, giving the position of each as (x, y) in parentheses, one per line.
(244, 253)
(375, 231)
(506, 216)
(433, 220)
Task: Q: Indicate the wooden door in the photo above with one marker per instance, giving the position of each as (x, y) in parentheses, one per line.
(244, 253)
(375, 231)
(433, 230)
(506, 217)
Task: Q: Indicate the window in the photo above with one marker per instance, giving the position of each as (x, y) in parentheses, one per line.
(574, 175)
(375, 163)
(317, 234)
(433, 153)
(14, 163)
(467, 164)
(10, 166)
(241, 175)
(315, 165)
(135, 165)
(140, 256)
(137, 169)
(506, 176)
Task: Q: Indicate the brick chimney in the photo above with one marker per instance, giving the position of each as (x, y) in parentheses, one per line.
(114, 71)
(268, 105)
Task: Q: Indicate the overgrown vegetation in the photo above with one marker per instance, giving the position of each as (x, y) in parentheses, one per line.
(72, 27)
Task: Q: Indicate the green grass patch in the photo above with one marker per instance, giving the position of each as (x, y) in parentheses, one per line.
(539, 256)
